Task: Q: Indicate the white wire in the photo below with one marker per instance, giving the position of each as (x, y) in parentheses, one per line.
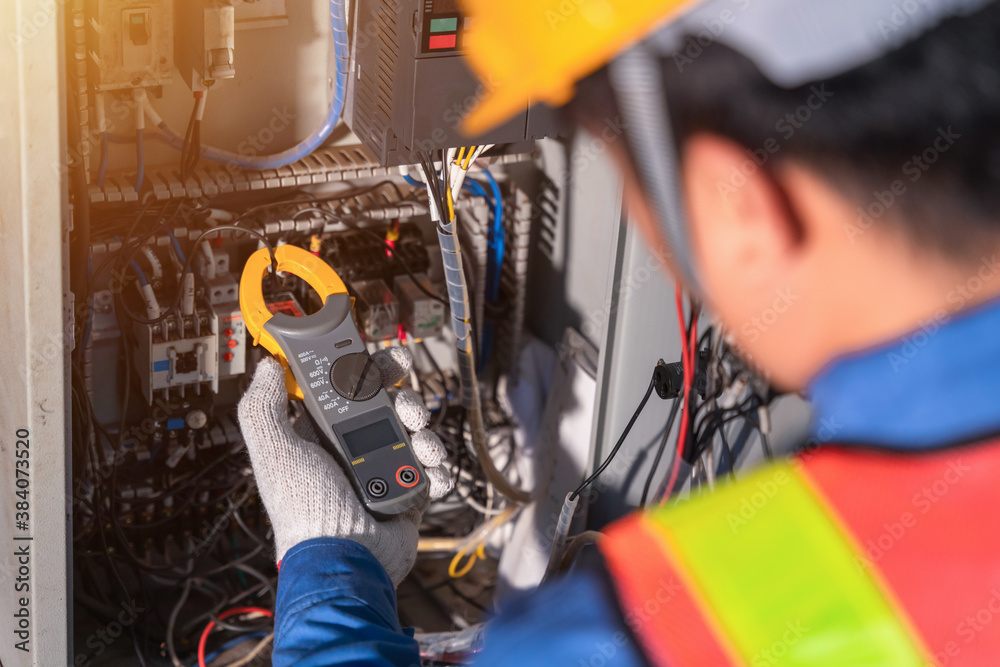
(173, 622)
(252, 655)
(458, 175)
(154, 263)
(436, 215)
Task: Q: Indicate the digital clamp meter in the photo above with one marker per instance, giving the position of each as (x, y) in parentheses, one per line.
(328, 367)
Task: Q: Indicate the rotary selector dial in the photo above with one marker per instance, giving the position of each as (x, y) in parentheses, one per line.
(356, 377)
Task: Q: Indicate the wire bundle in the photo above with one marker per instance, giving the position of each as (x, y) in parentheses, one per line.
(441, 192)
(689, 355)
(728, 390)
(118, 528)
(191, 149)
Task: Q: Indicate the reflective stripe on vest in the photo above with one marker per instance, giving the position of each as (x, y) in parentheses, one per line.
(750, 595)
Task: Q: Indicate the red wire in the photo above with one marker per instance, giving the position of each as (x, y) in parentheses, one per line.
(688, 354)
(223, 616)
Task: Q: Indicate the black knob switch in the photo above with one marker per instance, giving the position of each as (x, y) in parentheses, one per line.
(356, 377)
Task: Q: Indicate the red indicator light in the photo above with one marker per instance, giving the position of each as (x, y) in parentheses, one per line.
(443, 42)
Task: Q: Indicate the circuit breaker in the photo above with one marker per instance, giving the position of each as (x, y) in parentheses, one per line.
(130, 44)
(205, 45)
(411, 89)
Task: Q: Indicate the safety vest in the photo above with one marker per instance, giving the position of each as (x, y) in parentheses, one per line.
(842, 556)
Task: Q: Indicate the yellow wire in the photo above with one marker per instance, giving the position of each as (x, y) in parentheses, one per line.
(461, 154)
(468, 159)
(451, 207)
(453, 569)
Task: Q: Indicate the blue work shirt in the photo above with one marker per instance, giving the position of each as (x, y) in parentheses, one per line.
(936, 386)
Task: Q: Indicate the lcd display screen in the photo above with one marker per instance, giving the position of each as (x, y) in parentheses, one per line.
(367, 439)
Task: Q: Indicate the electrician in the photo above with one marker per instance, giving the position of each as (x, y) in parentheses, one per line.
(841, 158)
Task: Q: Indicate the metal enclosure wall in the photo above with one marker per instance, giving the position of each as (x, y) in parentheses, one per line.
(641, 328)
(33, 365)
(594, 272)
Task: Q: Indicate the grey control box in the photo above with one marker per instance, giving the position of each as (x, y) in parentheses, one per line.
(344, 397)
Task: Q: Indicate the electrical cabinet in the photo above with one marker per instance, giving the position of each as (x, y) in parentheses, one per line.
(127, 353)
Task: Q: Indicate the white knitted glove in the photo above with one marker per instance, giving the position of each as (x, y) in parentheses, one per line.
(307, 494)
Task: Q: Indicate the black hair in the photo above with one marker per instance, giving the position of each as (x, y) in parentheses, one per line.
(876, 129)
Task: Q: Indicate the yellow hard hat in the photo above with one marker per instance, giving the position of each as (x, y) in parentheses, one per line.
(538, 49)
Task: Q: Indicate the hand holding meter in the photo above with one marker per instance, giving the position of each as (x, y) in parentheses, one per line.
(328, 367)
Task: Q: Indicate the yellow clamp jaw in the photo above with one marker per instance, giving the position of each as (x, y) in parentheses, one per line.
(298, 262)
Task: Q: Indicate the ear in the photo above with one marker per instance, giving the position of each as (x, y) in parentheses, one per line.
(740, 219)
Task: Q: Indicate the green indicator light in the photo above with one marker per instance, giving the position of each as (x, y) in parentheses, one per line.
(444, 25)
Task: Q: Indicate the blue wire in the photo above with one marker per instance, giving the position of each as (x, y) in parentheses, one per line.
(497, 238)
(338, 25)
(177, 246)
(495, 243)
(135, 265)
(477, 190)
(140, 159)
(232, 643)
(155, 136)
(498, 214)
(103, 169)
(139, 272)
